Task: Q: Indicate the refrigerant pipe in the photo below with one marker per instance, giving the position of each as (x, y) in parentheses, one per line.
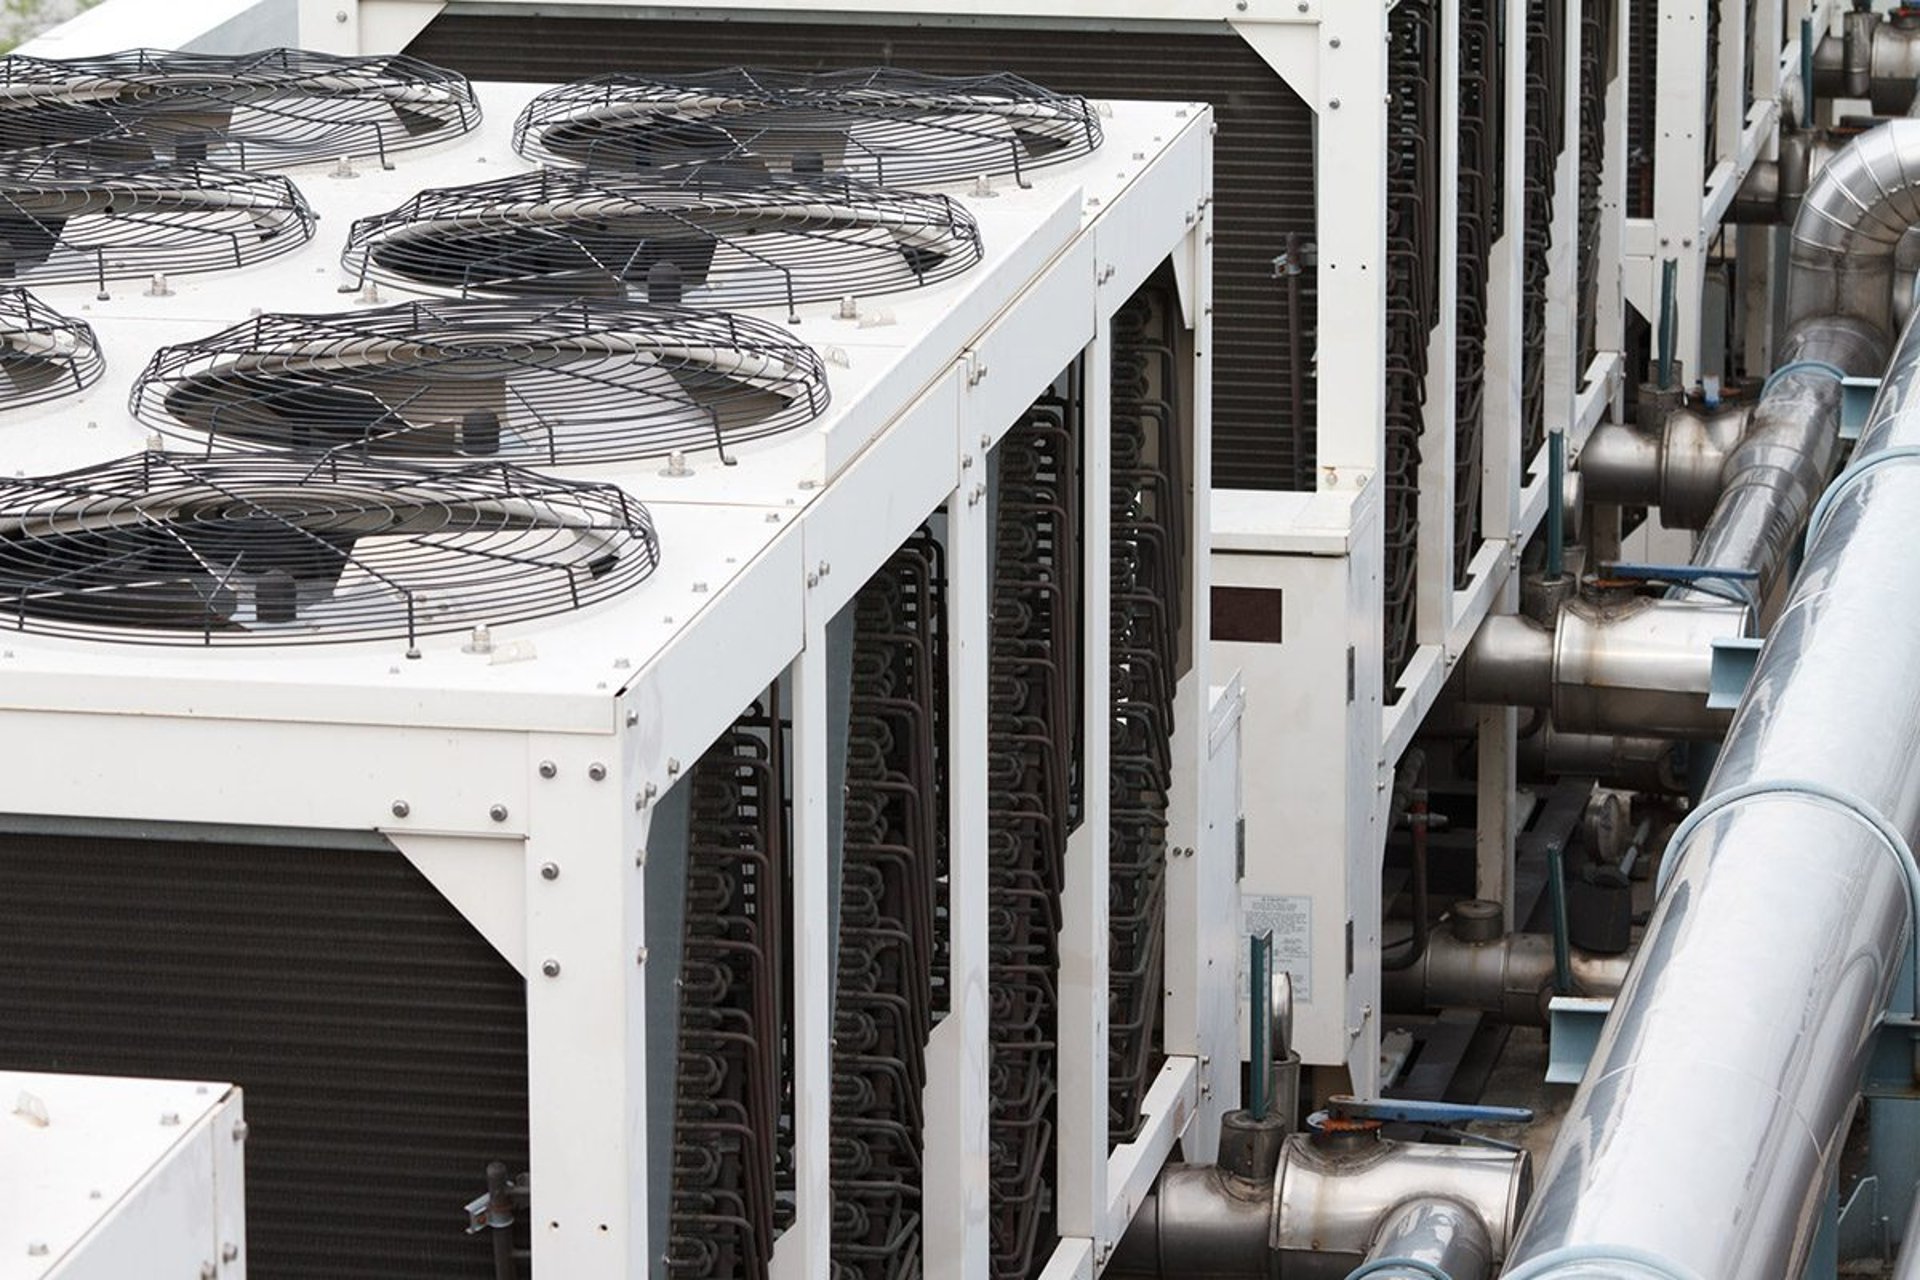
(1774, 951)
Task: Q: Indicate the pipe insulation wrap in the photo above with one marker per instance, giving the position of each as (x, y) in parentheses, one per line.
(1708, 1126)
(1842, 257)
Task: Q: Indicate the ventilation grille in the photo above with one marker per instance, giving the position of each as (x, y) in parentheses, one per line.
(539, 383)
(716, 237)
(882, 124)
(254, 110)
(165, 549)
(381, 1042)
(1263, 156)
(43, 354)
(73, 215)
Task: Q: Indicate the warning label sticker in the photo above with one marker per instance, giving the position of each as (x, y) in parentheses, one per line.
(1290, 917)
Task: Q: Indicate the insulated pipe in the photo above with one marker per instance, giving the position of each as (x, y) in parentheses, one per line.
(1710, 1120)
(1429, 1237)
(1907, 1266)
(1840, 292)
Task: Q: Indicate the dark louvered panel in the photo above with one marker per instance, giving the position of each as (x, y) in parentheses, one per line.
(1596, 75)
(1263, 154)
(381, 1042)
(1643, 70)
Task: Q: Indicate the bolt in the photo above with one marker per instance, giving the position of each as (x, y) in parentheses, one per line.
(673, 766)
(229, 1252)
(549, 769)
(169, 1118)
(640, 956)
(1334, 43)
(36, 1249)
(1333, 104)
(498, 813)
(340, 15)
(699, 588)
(208, 1271)
(401, 808)
(549, 871)
(550, 967)
(597, 771)
(239, 1130)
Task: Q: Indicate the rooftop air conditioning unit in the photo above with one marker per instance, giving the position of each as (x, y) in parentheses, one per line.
(662, 743)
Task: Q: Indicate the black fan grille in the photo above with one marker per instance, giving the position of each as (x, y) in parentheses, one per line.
(43, 354)
(726, 237)
(253, 110)
(71, 215)
(536, 382)
(286, 549)
(882, 124)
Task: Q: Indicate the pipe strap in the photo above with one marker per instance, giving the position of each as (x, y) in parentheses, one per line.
(1854, 472)
(1627, 1263)
(1380, 1266)
(1827, 797)
(1833, 371)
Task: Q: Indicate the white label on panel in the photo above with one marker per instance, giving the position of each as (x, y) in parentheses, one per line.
(1291, 919)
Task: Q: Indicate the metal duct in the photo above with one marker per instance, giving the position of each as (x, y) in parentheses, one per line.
(1791, 880)
(1840, 295)
(1428, 1237)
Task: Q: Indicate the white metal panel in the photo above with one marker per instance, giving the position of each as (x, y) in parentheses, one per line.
(106, 1178)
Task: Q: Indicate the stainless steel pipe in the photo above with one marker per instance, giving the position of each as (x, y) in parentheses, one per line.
(1508, 978)
(1681, 471)
(1425, 1236)
(1638, 666)
(1709, 1122)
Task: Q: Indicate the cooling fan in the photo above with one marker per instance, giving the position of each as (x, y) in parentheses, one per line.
(285, 549)
(70, 215)
(564, 382)
(254, 110)
(882, 124)
(717, 236)
(43, 354)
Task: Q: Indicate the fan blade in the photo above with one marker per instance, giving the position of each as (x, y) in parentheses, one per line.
(31, 374)
(454, 411)
(733, 404)
(27, 242)
(417, 123)
(653, 140)
(288, 412)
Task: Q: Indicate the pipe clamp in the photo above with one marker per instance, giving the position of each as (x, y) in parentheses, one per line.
(1854, 472)
(1828, 797)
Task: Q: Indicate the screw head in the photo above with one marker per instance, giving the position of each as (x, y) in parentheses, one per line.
(550, 967)
(549, 871)
(597, 771)
(498, 813)
(549, 769)
(401, 808)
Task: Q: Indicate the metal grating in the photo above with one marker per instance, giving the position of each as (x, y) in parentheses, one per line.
(1263, 153)
(164, 548)
(253, 110)
(1477, 220)
(1545, 138)
(733, 1105)
(380, 1040)
(1596, 75)
(895, 829)
(1643, 89)
(1149, 524)
(74, 215)
(715, 236)
(540, 383)
(881, 124)
(1032, 732)
(1413, 302)
(43, 354)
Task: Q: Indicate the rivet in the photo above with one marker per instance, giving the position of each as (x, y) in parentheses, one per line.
(548, 769)
(498, 813)
(597, 771)
(401, 808)
(1333, 104)
(550, 967)
(549, 871)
